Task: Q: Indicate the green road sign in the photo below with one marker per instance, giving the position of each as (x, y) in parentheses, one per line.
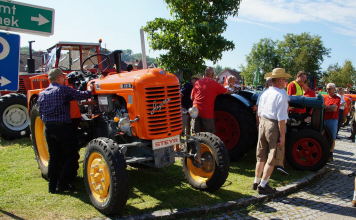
(26, 18)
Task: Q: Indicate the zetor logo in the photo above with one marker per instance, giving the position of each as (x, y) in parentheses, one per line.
(158, 107)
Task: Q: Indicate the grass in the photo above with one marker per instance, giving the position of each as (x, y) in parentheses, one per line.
(24, 194)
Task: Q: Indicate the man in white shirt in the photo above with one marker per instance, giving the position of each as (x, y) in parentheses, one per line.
(273, 114)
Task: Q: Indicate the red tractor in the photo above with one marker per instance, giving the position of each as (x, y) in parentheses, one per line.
(14, 118)
(134, 118)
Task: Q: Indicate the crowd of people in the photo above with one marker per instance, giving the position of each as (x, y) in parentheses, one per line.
(272, 115)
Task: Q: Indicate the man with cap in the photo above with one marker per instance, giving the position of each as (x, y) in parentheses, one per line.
(54, 109)
(273, 114)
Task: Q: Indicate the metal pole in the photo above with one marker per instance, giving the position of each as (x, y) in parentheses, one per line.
(143, 48)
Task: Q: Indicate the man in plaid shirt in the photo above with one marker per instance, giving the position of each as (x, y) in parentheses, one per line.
(54, 109)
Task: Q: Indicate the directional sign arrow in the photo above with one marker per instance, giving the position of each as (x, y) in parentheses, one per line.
(40, 19)
(4, 81)
(26, 18)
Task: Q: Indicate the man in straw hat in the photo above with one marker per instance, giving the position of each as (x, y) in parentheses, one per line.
(273, 114)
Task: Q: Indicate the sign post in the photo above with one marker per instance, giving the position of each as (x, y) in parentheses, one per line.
(9, 61)
(26, 18)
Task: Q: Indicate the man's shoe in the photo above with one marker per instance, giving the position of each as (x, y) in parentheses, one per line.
(267, 190)
(53, 191)
(66, 187)
(254, 186)
(282, 170)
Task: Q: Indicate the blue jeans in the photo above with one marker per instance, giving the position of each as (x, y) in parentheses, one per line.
(331, 124)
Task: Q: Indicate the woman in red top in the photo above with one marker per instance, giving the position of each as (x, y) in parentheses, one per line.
(331, 115)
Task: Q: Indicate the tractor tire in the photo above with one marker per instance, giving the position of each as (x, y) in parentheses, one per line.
(105, 176)
(307, 149)
(14, 119)
(212, 174)
(39, 142)
(235, 125)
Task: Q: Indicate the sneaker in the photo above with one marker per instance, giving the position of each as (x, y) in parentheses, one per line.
(267, 190)
(282, 170)
(254, 186)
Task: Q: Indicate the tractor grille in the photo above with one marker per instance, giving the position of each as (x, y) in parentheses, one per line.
(22, 88)
(163, 107)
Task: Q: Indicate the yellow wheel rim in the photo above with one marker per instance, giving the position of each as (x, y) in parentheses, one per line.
(98, 177)
(203, 172)
(41, 142)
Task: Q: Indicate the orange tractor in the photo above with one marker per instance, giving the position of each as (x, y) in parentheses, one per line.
(133, 118)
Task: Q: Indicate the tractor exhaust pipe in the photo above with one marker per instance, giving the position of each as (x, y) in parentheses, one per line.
(117, 60)
(30, 61)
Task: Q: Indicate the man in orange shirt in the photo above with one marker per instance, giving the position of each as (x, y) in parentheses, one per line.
(203, 95)
(331, 114)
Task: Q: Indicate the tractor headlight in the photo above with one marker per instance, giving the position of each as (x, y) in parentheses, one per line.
(193, 112)
(124, 125)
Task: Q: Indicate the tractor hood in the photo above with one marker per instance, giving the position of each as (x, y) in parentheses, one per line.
(133, 80)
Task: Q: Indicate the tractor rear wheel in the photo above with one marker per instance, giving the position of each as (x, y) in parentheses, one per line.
(14, 119)
(307, 149)
(105, 176)
(235, 126)
(211, 173)
(39, 141)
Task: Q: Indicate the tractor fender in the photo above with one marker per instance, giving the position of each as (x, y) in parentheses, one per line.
(235, 97)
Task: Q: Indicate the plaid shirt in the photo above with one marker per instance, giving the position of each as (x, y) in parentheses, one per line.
(54, 102)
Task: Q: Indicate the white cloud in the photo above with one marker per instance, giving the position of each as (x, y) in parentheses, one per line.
(341, 14)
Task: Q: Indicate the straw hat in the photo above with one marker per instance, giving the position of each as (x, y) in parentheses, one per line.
(278, 73)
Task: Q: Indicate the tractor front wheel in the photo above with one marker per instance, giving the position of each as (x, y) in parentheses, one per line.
(39, 141)
(105, 176)
(307, 149)
(211, 172)
(14, 119)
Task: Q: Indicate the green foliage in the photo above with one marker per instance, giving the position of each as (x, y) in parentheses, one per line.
(24, 50)
(218, 69)
(193, 35)
(294, 53)
(341, 76)
(263, 57)
(302, 52)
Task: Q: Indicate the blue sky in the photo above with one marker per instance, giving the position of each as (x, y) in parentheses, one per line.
(118, 24)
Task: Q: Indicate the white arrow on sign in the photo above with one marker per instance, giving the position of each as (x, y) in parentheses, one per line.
(40, 19)
(4, 81)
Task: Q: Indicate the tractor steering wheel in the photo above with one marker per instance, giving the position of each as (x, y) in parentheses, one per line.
(97, 64)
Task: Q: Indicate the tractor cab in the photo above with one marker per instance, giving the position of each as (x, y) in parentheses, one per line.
(68, 56)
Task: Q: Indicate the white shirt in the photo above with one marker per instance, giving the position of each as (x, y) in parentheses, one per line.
(273, 104)
(342, 101)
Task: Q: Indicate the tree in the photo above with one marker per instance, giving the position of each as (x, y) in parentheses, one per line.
(218, 69)
(341, 76)
(294, 53)
(262, 58)
(302, 52)
(193, 35)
